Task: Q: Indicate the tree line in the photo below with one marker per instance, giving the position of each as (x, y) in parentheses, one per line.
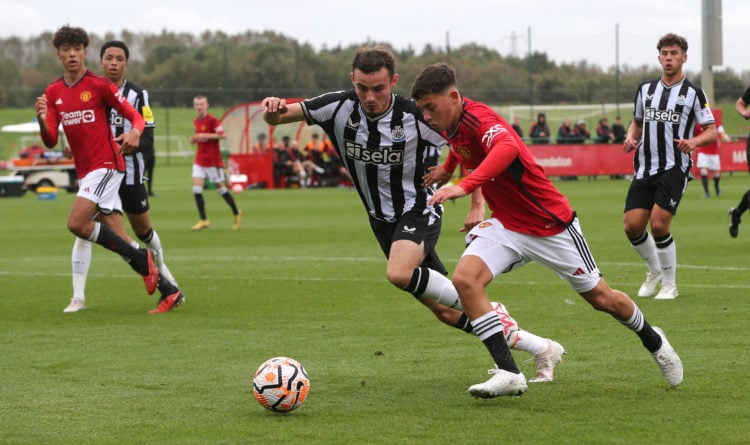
(246, 67)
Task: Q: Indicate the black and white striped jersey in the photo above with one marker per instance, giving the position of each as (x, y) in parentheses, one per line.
(667, 113)
(385, 155)
(138, 98)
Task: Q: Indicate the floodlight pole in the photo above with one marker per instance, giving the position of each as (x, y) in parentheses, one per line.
(617, 68)
(531, 86)
(712, 45)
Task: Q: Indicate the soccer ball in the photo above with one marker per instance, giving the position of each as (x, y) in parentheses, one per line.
(281, 384)
(237, 188)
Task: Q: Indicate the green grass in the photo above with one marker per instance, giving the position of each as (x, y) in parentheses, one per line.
(304, 278)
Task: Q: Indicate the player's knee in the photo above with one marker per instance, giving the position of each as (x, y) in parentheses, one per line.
(463, 281)
(398, 278)
(221, 190)
(197, 190)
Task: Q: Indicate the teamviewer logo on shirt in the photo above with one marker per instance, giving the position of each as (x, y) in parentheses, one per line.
(78, 117)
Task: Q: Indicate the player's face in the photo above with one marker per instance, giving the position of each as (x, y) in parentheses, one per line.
(671, 59)
(114, 64)
(72, 57)
(374, 90)
(200, 106)
(441, 111)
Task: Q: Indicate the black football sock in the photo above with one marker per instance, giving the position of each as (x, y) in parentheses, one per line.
(230, 200)
(135, 257)
(200, 204)
(489, 328)
(464, 325)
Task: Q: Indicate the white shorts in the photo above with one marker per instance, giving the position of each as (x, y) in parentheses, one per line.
(102, 186)
(566, 253)
(214, 174)
(710, 162)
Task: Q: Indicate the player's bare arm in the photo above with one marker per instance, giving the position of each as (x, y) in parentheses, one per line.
(476, 212)
(276, 111)
(635, 131)
(708, 136)
(742, 108)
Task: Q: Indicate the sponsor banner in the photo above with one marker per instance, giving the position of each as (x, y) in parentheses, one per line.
(610, 159)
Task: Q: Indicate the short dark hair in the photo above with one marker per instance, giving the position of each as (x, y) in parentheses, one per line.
(433, 79)
(115, 44)
(371, 59)
(70, 35)
(672, 39)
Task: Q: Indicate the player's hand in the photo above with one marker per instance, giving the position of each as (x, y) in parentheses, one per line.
(629, 145)
(129, 141)
(685, 145)
(67, 152)
(40, 107)
(274, 105)
(199, 137)
(445, 193)
(435, 175)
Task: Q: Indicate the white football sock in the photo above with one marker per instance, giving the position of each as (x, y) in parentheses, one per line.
(668, 259)
(155, 245)
(80, 261)
(531, 343)
(441, 289)
(647, 251)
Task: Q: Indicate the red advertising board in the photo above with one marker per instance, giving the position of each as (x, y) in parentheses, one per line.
(610, 159)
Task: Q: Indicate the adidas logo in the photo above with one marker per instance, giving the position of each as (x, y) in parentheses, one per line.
(58, 101)
(579, 272)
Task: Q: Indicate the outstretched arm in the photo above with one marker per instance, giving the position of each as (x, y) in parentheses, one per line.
(276, 111)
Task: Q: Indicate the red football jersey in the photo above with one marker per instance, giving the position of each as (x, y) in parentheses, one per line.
(208, 153)
(713, 147)
(83, 110)
(515, 187)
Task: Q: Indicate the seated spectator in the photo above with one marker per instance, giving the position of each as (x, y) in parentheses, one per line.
(603, 133)
(565, 133)
(261, 146)
(539, 131)
(618, 131)
(287, 164)
(323, 165)
(565, 136)
(580, 132)
(517, 126)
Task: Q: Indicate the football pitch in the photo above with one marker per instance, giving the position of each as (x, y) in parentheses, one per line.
(304, 278)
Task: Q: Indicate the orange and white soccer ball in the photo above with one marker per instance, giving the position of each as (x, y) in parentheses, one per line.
(237, 188)
(281, 384)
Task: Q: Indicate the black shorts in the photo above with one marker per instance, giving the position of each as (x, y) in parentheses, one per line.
(134, 198)
(665, 189)
(412, 226)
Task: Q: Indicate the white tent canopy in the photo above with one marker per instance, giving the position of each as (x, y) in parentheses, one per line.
(26, 127)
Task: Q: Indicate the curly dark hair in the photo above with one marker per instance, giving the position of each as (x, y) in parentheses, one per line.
(70, 35)
(370, 59)
(672, 39)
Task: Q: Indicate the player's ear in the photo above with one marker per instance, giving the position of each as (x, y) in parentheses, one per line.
(454, 95)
